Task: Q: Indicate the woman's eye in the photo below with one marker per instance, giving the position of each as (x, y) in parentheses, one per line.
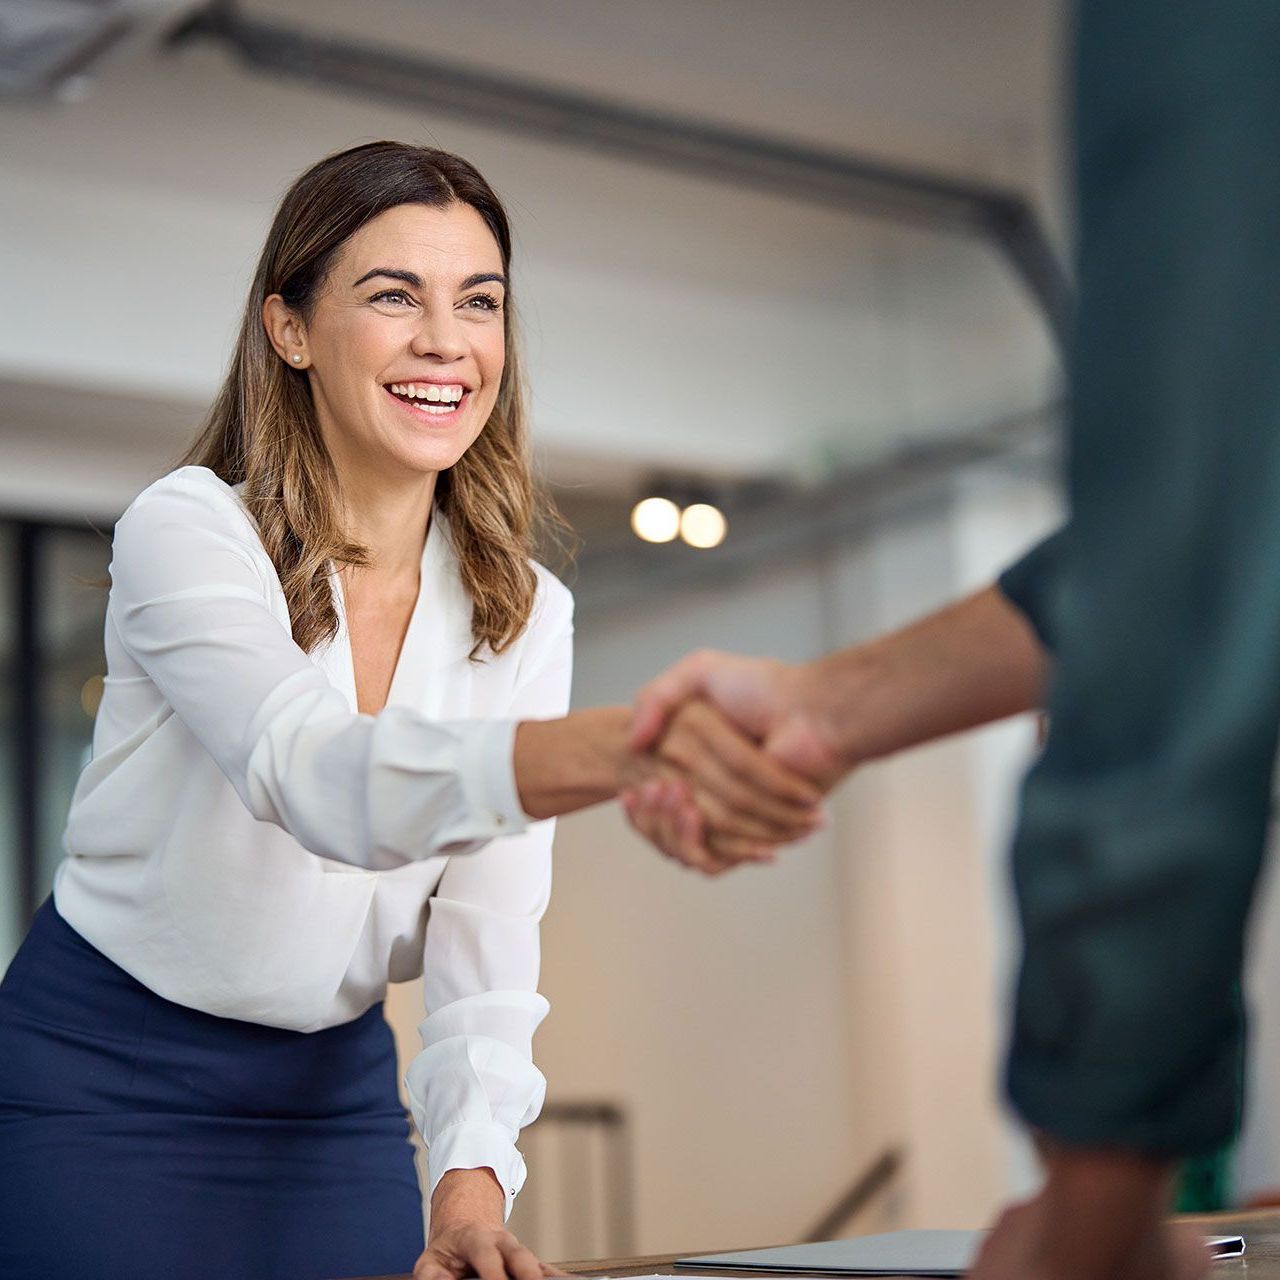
(483, 302)
(397, 296)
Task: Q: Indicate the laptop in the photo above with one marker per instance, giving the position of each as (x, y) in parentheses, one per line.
(897, 1253)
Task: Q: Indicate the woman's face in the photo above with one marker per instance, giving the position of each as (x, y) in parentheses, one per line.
(404, 346)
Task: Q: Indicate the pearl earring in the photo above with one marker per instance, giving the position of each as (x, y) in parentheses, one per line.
(297, 359)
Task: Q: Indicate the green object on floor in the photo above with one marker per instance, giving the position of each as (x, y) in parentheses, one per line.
(1204, 1184)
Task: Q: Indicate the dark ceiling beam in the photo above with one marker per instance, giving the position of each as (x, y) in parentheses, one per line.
(45, 49)
(852, 184)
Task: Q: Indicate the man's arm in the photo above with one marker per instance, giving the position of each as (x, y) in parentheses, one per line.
(968, 664)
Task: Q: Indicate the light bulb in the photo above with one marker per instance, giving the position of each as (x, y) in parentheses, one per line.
(655, 519)
(702, 525)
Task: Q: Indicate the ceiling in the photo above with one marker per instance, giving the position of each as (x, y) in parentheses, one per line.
(671, 322)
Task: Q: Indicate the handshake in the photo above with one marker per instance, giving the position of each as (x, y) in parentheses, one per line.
(729, 758)
(722, 759)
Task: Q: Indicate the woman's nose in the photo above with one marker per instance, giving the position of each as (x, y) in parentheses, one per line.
(441, 336)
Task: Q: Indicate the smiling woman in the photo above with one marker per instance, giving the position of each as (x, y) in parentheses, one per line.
(335, 708)
(384, 253)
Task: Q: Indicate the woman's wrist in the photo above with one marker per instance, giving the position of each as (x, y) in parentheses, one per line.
(467, 1197)
(572, 763)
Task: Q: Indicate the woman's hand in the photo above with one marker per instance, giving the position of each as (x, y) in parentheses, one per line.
(709, 797)
(706, 779)
(469, 1249)
(467, 1235)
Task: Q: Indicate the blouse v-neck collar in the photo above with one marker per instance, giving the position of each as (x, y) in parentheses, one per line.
(438, 634)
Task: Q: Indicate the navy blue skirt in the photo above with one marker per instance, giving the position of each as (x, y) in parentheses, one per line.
(141, 1140)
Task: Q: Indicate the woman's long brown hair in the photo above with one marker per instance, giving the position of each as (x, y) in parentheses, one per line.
(261, 431)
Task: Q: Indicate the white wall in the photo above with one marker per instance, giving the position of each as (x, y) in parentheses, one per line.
(937, 819)
(704, 1009)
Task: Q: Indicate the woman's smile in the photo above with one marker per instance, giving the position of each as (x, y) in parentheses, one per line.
(438, 404)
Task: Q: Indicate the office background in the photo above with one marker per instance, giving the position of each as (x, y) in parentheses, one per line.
(795, 260)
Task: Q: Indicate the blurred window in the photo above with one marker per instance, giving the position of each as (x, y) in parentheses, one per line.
(51, 649)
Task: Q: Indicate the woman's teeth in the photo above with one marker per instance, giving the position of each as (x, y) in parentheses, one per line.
(429, 397)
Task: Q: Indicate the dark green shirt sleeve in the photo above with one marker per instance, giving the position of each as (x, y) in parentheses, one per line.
(1029, 585)
(1142, 826)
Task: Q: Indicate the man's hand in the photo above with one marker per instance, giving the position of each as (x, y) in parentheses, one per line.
(773, 703)
(769, 704)
(1100, 1216)
(707, 796)
(1020, 1248)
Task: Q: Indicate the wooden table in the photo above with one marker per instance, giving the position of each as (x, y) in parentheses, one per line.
(1261, 1260)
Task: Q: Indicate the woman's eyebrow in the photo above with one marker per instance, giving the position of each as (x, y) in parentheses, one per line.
(392, 273)
(415, 281)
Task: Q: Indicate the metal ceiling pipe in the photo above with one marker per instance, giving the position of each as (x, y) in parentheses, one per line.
(849, 183)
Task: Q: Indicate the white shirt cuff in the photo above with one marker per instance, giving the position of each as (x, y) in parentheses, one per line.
(472, 1144)
(489, 775)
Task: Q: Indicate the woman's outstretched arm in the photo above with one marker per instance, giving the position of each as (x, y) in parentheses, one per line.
(194, 605)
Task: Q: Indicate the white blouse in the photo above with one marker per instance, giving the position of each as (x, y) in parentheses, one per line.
(245, 843)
